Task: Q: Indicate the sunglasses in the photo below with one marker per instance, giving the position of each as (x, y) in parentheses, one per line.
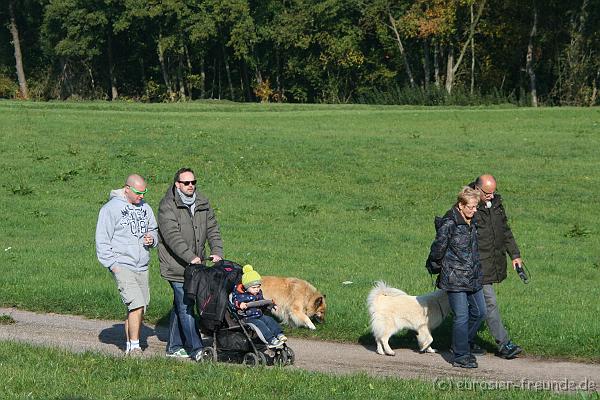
(487, 193)
(134, 190)
(187, 183)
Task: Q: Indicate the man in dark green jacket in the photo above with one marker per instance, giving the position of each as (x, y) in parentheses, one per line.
(496, 241)
(185, 222)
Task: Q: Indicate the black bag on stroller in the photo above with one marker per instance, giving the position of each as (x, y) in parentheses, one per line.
(209, 288)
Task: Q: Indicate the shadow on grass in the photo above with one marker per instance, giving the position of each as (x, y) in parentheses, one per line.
(116, 334)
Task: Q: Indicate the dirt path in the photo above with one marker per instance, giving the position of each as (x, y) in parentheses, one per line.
(80, 334)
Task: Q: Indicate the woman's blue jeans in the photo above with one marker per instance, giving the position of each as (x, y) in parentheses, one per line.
(182, 325)
(469, 312)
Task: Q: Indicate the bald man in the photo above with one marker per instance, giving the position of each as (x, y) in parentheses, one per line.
(496, 241)
(125, 232)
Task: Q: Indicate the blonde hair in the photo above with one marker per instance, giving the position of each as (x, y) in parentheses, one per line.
(466, 194)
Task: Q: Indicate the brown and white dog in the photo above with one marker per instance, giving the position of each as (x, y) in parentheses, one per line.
(297, 300)
(392, 310)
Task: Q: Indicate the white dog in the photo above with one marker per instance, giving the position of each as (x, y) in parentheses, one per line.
(392, 310)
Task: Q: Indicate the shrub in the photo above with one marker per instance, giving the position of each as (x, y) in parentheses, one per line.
(432, 96)
(8, 87)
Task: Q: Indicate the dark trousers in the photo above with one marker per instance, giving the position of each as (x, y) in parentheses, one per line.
(469, 312)
(182, 324)
(267, 326)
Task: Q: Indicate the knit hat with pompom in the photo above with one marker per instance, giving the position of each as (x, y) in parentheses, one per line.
(250, 277)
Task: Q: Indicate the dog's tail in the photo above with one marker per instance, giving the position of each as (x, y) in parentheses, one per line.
(381, 289)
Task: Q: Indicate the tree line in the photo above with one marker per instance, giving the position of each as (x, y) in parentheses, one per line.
(527, 52)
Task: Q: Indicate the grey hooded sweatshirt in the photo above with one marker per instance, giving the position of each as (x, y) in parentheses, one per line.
(120, 233)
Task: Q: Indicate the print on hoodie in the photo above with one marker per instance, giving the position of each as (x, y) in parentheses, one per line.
(135, 218)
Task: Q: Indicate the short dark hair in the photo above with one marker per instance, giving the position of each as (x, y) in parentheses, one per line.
(181, 171)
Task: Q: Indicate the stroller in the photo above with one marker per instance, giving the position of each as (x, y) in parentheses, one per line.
(226, 337)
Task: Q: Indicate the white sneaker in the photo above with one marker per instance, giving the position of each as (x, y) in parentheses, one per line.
(275, 343)
(181, 353)
(282, 337)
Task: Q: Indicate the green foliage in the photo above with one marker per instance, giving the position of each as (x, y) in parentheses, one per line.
(433, 96)
(8, 88)
(333, 51)
(21, 189)
(6, 320)
(67, 175)
(75, 28)
(577, 231)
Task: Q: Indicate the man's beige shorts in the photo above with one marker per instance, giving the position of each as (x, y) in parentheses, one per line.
(133, 287)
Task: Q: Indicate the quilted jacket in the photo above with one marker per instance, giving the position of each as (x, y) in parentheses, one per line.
(455, 248)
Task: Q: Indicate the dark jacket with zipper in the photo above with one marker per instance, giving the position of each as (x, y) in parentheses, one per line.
(240, 295)
(496, 240)
(455, 248)
(182, 236)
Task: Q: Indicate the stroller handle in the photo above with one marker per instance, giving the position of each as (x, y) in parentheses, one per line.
(260, 303)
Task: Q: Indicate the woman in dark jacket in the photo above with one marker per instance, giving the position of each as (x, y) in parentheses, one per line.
(455, 248)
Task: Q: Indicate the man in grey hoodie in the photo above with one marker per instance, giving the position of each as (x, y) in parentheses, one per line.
(125, 232)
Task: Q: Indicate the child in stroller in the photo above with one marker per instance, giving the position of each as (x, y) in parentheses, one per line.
(227, 335)
(249, 302)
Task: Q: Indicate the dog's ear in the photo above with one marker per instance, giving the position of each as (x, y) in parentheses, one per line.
(318, 301)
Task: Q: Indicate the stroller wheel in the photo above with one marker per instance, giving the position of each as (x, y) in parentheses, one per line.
(207, 354)
(251, 360)
(281, 358)
(262, 359)
(290, 354)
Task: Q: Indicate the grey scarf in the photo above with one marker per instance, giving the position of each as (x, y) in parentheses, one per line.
(187, 200)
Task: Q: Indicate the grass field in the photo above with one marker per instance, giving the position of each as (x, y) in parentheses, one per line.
(326, 193)
(37, 373)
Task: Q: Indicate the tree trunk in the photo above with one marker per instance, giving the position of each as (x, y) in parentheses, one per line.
(242, 86)
(472, 55)
(227, 70)
(277, 74)
(24, 92)
(202, 79)
(248, 83)
(180, 76)
(529, 58)
(163, 67)
(594, 89)
(143, 75)
(111, 68)
(466, 45)
(426, 66)
(258, 75)
(219, 79)
(64, 80)
(189, 70)
(90, 72)
(401, 47)
(436, 64)
(214, 77)
(450, 70)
